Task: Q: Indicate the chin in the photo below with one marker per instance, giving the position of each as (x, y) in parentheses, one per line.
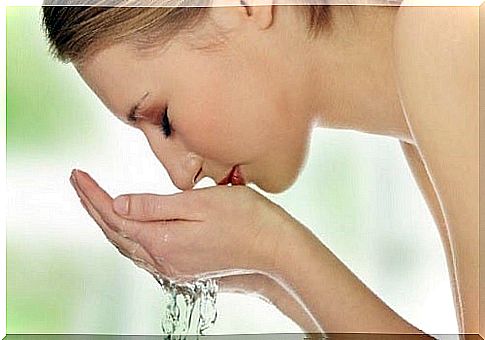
(279, 179)
(276, 186)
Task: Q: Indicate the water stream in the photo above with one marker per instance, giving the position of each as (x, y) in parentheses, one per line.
(187, 308)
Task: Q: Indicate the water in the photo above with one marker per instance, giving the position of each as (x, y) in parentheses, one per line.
(187, 308)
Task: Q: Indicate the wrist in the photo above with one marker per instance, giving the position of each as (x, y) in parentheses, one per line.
(284, 242)
(297, 249)
(280, 242)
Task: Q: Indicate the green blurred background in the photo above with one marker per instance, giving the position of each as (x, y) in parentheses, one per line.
(356, 193)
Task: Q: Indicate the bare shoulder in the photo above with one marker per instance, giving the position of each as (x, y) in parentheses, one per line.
(436, 60)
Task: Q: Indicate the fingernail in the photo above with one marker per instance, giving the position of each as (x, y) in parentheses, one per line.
(81, 180)
(121, 205)
(72, 178)
(74, 174)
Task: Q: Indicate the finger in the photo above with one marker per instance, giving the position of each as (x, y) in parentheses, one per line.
(127, 247)
(113, 236)
(124, 245)
(149, 207)
(102, 203)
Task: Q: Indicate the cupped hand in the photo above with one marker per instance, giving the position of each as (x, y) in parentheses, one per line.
(211, 232)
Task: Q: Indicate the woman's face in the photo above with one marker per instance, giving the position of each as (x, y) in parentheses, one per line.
(235, 106)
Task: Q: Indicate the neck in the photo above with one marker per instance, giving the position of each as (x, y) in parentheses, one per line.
(352, 80)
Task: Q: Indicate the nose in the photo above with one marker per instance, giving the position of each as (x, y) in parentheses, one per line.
(182, 166)
(184, 172)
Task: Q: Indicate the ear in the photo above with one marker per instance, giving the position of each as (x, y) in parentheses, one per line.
(259, 12)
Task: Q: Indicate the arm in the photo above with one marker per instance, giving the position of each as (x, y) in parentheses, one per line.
(423, 180)
(270, 291)
(284, 249)
(339, 301)
(437, 68)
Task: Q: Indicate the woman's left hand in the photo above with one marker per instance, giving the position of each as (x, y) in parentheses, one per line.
(215, 231)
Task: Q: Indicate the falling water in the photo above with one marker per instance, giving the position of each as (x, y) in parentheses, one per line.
(187, 308)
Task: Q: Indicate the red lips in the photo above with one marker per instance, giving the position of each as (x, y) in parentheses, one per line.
(234, 177)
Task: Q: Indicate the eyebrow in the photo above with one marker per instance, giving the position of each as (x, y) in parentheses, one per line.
(131, 116)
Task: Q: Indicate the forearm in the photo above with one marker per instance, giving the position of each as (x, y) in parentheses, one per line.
(289, 306)
(338, 300)
(269, 290)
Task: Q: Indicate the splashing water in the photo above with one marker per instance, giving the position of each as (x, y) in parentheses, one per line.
(187, 308)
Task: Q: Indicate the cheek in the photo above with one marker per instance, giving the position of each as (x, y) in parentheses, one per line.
(214, 135)
(232, 115)
(238, 138)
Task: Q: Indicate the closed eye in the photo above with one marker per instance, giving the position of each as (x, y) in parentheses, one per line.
(165, 125)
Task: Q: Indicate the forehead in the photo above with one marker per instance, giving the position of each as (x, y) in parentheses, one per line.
(120, 77)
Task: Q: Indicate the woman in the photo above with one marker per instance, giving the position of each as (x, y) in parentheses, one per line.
(232, 93)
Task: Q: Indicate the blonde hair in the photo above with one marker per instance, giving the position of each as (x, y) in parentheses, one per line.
(75, 33)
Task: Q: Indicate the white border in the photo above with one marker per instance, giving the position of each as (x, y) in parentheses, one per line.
(3, 186)
(3, 164)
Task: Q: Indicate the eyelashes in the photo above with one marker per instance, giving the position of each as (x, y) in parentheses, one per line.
(163, 122)
(165, 125)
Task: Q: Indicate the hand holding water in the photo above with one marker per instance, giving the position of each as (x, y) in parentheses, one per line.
(216, 231)
(227, 229)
